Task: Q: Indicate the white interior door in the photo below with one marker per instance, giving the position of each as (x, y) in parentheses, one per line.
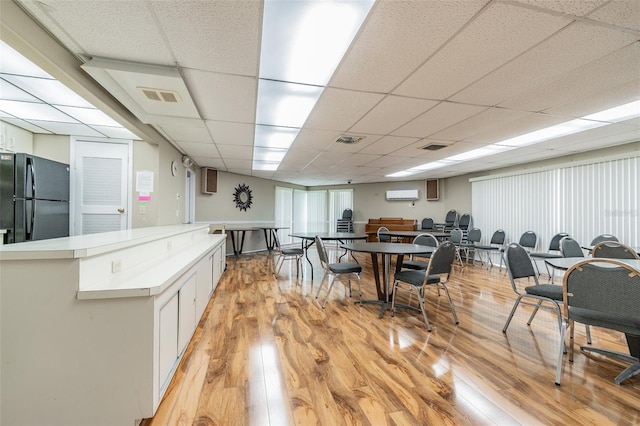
(101, 186)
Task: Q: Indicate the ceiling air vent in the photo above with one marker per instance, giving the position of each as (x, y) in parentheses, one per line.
(433, 147)
(349, 139)
(160, 95)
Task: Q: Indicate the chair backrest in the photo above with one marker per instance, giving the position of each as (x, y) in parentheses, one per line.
(347, 214)
(614, 250)
(518, 263)
(603, 237)
(456, 236)
(451, 217)
(427, 224)
(322, 253)
(383, 238)
(441, 260)
(570, 248)
(606, 286)
(528, 239)
(474, 236)
(498, 237)
(465, 222)
(554, 245)
(426, 240)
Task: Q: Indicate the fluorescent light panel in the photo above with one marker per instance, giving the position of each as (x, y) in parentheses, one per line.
(302, 44)
(588, 122)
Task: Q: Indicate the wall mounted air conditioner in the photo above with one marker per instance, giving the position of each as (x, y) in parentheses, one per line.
(407, 194)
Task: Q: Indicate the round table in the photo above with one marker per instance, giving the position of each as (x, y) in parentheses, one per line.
(386, 250)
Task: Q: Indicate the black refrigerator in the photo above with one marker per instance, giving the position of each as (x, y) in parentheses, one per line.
(34, 198)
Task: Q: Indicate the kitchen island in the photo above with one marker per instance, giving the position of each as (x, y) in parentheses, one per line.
(94, 326)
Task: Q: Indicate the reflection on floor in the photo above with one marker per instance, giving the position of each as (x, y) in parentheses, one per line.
(265, 353)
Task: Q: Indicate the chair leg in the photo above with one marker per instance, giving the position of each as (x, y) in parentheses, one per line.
(535, 311)
(628, 372)
(513, 311)
(588, 332)
(333, 280)
(393, 298)
(422, 308)
(453, 308)
(563, 331)
(321, 284)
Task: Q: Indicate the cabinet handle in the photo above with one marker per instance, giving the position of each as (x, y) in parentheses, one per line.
(120, 210)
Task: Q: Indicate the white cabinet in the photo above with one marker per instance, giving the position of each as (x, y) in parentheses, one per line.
(205, 280)
(167, 340)
(187, 311)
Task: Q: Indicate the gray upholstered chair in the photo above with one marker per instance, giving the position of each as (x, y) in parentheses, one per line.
(336, 270)
(464, 223)
(456, 238)
(614, 250)
(552, 253)
(604, 293)
(440, 265)
(520, 268)
(603, 237)
(427, 224)
(570, 248)
(495, 246)
(468, 246)
(291, 253)
(383, 238)
(423, 240)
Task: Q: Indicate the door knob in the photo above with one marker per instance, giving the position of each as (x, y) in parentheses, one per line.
(120, 210)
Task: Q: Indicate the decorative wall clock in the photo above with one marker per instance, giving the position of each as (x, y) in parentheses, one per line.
(242, 197)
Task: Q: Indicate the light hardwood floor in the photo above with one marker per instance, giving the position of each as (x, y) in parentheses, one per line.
(266, 353)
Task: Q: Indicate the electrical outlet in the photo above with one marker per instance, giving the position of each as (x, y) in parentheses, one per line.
(116, 265)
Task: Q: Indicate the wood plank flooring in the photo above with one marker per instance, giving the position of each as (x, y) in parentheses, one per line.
(266, 353)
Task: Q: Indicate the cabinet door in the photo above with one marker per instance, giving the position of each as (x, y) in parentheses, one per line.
(218, 265)
(168, 340)
(186, 312)
(205, 284)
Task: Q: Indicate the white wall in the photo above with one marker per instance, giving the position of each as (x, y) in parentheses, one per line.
(15, 139)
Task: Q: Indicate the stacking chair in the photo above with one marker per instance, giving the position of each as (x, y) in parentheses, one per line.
(336, 270)
(427, 224)
(450, 220)
(424, 240)
(553, 252)
(570, 248)
(383, 238)
(614, 250)
(465, 223)
(603, 237)
(440, 265)
(604, 293)
(291, 253)
(345, 224)
(520, 268)
(495, 246)
(469, 246)
(456, 238)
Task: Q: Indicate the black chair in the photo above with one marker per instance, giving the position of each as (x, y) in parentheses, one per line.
(427, 224)
(603, 237)
(440, 265)
(336, 270)
(552, 253)
(424, 240)
(469, 246)
(520, 267)
(465, 223)
(291, 253)
(614, 250)
(456, 238)
(345, 224)
(495, 246)
(570, 248)
(450, 221)
(604, 293)
(383, 238)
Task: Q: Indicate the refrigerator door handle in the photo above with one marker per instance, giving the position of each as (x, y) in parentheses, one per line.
(30, 221)
(31, 170)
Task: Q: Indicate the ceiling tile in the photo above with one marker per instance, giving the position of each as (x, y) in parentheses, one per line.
(487, 42)
(438, 118)
(391, 113)
(227, 133)
(207, 150)
(232, 27)
(75, 129)
(187, 134)
(546, 62)
(575, 7)
(388, 145)
(223, 97)
(396, 38)
(339, 109)
(235, 152)
(621, 13)
(23, 124)
(215, 163)
(488, 121)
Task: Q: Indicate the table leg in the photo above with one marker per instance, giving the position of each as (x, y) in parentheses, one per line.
(233, 242)
(242, 233)
(306, 254)
(634, 345)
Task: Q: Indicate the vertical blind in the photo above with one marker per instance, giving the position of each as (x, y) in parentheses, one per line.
(584, 200)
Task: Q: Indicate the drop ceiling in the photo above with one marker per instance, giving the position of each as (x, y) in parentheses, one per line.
(460, 73)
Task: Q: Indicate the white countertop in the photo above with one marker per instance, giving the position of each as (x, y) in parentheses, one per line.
(90, 245)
